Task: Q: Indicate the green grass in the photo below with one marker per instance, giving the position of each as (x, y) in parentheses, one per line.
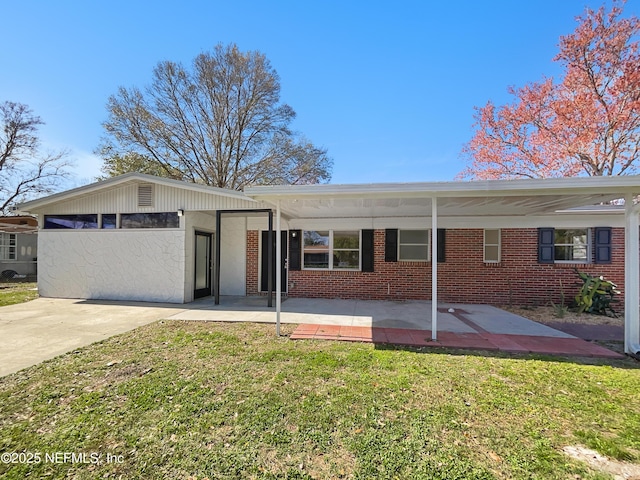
(12, 293)
(224, 401)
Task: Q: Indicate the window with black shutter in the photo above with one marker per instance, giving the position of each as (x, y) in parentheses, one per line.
(391, 245)
(442, 242)
(603, 245)
(295, 250)
(546, 244)
(367, 250)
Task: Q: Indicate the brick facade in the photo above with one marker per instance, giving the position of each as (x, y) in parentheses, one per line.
(253, 262)
(464, 277)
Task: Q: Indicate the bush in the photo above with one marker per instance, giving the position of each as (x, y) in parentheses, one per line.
(596, 295)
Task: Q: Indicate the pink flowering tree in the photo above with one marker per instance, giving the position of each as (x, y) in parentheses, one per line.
(587, 123)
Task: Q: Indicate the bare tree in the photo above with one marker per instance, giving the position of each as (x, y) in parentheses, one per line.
(220, 123)
(24, 172)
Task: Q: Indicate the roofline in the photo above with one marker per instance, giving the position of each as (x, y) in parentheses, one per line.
(602, 185)
(128, 177)
(612, 185)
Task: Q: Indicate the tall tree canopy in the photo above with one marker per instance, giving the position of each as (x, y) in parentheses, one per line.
(588, 123)
(24, 171)
(219, 123)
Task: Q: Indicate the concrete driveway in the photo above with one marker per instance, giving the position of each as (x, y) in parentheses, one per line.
(44, 328)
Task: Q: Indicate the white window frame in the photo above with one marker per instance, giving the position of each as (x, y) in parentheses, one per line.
(485, 245)
(8, 246)
(332, 249)
(428, 245)
(588, 245)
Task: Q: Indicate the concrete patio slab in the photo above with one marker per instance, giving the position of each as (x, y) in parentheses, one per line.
(495, 320)
(412, 314)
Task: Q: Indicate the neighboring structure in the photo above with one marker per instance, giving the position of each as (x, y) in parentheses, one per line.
(18, 247)
(138, 237)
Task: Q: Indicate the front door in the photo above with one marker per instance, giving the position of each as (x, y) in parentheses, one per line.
(264, 287)
(203, 265)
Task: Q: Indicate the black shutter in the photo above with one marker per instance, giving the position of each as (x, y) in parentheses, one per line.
(367, 250)
(391, 245)
(295, 249)
(546, 249)
(603, 244)
(442, 242)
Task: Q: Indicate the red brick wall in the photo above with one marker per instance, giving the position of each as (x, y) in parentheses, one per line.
(253, 259)
(464, 277)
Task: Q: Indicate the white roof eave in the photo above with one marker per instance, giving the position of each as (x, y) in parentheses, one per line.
(570, 186)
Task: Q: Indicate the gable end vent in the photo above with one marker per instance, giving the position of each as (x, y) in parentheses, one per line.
(145, 195)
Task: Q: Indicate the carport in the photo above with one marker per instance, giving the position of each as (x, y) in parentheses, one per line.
(507, 203)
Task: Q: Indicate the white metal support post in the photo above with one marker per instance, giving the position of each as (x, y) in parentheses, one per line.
(631, 277)
(278, 268)
(434, 268)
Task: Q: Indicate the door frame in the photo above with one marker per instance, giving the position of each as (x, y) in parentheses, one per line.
(208, 289)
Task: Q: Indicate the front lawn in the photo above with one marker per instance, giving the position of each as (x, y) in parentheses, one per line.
(194, 400)
(11, 293)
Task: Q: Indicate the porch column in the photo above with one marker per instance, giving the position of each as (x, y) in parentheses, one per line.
(631, 277)
(216, 262)
(278, 268)
(270, 261)
(434, 268)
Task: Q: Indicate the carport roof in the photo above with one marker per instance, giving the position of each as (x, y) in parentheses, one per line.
(475, 198)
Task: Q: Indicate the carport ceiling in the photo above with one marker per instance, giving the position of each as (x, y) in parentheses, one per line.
(454, 199)
(420, 207)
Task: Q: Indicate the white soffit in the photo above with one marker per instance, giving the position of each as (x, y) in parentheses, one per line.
(455, 199)
(447, 207)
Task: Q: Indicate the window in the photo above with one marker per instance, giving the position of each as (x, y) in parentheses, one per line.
(413, 245)
(109, 220)
(71, 221)
(346, 250)
(7, 246)
(333, 250)
(150, 220)
(492, 245)
(316, 249)
(572, 245)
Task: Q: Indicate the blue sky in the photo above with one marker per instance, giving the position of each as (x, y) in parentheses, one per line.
(387, 87)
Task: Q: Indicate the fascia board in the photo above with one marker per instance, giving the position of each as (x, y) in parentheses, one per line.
(574, 185)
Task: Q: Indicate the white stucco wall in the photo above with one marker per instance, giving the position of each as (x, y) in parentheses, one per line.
(144, 265)
(233, 255)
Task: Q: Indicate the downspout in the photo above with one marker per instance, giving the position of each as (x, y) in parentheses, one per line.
(631, 278)
(434, 268)
(278, 268)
